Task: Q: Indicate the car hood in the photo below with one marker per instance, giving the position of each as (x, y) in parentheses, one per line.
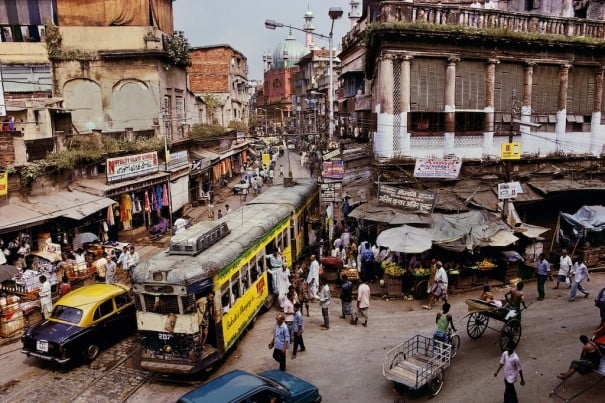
(297, 387)
(54, 332)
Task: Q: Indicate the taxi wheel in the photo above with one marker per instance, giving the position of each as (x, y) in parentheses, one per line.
(92, 352)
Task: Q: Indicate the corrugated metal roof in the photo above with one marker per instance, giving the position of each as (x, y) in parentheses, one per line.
(564, 185)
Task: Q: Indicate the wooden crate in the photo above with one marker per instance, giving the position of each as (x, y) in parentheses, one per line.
(10, 324)
(393, 286)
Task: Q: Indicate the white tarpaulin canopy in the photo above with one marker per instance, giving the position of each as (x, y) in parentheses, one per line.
(406, 239)
(591, 218)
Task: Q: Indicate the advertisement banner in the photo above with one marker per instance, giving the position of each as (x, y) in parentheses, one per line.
(509, 190)
(437, 168)
(3, 183)
(418, 201)
(510, 151)
(334, 170)
(131, 166)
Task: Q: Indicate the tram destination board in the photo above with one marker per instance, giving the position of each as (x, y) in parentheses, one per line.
(417, 201)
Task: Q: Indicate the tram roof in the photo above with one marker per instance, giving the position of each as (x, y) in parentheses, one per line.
(247, 225)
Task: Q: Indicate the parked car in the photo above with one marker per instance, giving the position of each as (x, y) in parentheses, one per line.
(244, 387)
(82, 322)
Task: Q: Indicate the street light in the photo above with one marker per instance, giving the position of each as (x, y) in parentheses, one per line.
(334, 13)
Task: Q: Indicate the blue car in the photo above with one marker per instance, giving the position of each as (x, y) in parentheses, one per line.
(243, 387)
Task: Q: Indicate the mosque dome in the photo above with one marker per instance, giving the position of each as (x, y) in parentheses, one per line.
(295, 51)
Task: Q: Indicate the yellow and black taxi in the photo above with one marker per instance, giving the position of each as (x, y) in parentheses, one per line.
(82, 322)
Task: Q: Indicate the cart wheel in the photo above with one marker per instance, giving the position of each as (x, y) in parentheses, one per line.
(420, 291)
(511, 331)
(455, 343)
(436, 384)
(476, 325)
(399, 393)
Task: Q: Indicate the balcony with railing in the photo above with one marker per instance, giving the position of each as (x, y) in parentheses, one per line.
(535, 26)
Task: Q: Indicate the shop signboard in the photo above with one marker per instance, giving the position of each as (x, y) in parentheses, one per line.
(178, 159)
(447, 168)
(418, 201)
(331, 154)
(510, 151)
(199, 165)
(131, 166)
(509, 190)
(330, 192)
(334, 170)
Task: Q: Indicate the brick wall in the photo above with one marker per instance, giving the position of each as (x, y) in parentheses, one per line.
(210, 69)
(12, 148)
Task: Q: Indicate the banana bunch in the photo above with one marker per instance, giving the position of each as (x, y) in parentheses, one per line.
(485, 264)
(393, 269)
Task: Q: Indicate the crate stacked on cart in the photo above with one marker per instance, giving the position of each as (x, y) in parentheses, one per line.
(11, 316)
(80, 271)
(393, 280)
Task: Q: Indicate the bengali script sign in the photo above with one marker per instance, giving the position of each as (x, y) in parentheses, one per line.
(131, 166)
(330, 192)
(418, 201)
(437, 168)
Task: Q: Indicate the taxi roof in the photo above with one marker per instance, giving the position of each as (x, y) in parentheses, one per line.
(91, 294)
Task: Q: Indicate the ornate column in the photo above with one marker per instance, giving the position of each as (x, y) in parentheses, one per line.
(488, 127)
(596, 131)
(562, 105)
(450, 104)
(383, 140)
(528, 80)
(405, 99)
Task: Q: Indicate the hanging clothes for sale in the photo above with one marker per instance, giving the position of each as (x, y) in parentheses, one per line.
(154, 201)
(147, 205)
(125, 208)
(158, 195)
(110, 218)
(136, 204)
(165, 202)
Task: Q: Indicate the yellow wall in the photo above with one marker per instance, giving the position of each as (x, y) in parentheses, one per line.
(23, 52)
(108, 38)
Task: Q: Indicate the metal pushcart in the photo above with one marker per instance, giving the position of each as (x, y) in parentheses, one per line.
(417, 362)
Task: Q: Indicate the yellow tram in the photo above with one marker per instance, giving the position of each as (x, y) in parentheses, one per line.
(227, 257)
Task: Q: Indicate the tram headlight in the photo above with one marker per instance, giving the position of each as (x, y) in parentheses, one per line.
(167, 349)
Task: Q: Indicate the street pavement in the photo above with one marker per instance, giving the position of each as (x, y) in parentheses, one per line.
(345, 362)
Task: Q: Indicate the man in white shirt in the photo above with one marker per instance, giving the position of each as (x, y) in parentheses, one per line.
(133, 259)
(45, 297)
(512, 367)
(228, 209)
(564, 268)
(313, 274)
(580, 272)
(122, 261)
(363, 303)
(439, 287)
(324, 303)
(110, 271)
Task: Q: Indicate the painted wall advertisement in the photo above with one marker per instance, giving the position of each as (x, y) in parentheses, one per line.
(334, 170)
(131, 166)
(418, 201)
(437, 168)
(178, 159)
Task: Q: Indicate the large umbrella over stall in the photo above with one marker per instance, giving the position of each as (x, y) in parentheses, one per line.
(85, 237)
(406, 239)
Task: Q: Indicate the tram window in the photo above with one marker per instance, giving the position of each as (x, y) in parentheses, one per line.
(245, 279)
(162, 304)
(235, 289)
(280, 241)
(225, 298)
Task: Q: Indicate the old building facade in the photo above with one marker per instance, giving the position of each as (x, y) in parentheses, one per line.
(448, 80)
(218, 76)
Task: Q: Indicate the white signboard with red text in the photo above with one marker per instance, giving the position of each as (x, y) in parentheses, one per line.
(131, 166)
(437, 168)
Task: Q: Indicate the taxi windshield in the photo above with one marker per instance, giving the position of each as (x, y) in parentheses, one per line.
(67, 314)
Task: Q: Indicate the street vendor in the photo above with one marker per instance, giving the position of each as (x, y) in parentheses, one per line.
(46, 301)
(439, 287)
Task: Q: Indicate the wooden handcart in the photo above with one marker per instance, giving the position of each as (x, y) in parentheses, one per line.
(480, 313)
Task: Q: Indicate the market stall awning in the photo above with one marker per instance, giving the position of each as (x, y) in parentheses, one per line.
(37, 208)
(591, 218)
(530, 231)
(98, 187)
(372, 211)
(405, 239)
(564, 185)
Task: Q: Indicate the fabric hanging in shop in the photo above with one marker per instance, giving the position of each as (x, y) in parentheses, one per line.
(228, 166)
(125, 208)
(158, 195)
(136, 204)
(147, 205)
(223, 168)
(154, 201)
(216, 172)
(244, 157)
(165, 202)
(110, 218)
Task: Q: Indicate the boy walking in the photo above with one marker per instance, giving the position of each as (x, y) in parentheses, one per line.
(512, 369)
(298, 328)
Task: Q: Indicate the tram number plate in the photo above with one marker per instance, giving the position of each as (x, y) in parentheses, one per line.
(164, 336)
(42, 345)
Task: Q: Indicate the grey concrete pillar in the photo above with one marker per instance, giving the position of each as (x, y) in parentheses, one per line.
(406, 88)
(450, 105)
(383, 140)
(528, 80)
(490, 84)
(596, 130)
(562, 105)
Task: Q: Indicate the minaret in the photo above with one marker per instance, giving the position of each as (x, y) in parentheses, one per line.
(309, 28)
(355, 13)
(267, 61)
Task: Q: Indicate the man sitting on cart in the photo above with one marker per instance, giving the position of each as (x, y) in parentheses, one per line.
(589, 359)
(443, 321)
(514, 300)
